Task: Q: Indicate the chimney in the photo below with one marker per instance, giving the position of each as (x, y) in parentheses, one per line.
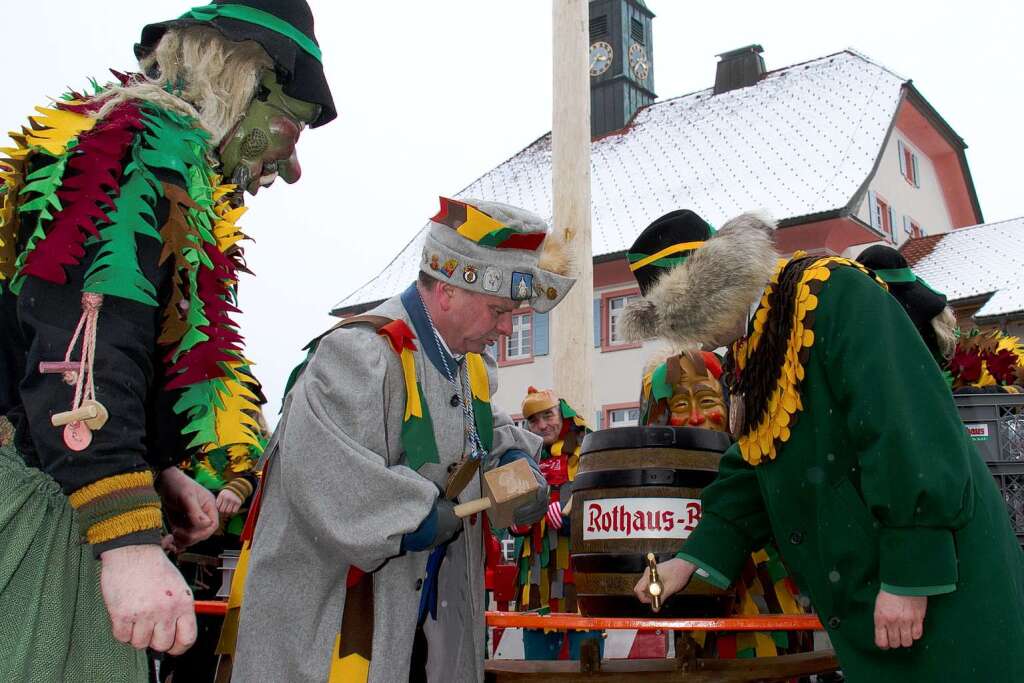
(739, 68)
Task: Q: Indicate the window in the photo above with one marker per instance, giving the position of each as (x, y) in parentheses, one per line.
(518, 344)
(636, 30)
(911, 228)
(882, 217)
(616, 305)
(908, 164)
(623, 417)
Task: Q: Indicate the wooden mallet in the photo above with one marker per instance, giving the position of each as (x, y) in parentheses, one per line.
(505, 488)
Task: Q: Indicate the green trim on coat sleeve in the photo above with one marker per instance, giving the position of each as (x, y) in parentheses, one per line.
(917, 557)
(921, 591)
(706, 572)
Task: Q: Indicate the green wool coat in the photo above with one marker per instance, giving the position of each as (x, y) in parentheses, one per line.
(878, 487)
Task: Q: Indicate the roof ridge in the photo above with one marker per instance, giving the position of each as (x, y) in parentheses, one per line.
(857, 53)
(987, 225)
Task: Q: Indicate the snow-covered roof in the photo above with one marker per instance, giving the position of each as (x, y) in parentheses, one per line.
(801, 141)
(973, 262)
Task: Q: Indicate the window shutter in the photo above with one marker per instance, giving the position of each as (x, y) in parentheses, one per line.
(892, 224)
(903, 158)
(540, 334)
(597, 323)
(906, 225)
(873, 215)
(598, 420)
(917, 176)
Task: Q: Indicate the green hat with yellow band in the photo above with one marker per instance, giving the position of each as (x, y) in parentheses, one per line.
(665, 244)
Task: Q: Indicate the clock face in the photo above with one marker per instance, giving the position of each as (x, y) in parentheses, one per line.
(601, 55)
(638, 61)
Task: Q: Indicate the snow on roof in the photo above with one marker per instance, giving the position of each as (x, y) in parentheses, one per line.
(801, 141)
(970, 262)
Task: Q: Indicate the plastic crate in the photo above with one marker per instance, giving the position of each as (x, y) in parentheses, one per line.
(1010, 479)
(995, 423)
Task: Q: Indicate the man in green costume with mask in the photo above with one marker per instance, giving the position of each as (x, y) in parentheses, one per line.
(119, 257)
(851, 455)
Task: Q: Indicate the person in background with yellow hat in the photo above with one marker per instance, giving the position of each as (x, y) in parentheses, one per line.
(542, 549)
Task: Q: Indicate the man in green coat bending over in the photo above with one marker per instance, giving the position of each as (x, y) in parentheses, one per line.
(850, 453)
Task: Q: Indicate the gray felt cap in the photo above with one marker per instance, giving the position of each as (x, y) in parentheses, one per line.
(494, 248)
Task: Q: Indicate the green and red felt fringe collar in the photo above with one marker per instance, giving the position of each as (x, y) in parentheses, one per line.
(100, 188)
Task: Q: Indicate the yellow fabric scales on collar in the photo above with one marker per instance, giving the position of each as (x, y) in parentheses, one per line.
(784, 404)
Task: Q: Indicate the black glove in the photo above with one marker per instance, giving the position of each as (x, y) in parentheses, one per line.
(448, 525)
(440, 526)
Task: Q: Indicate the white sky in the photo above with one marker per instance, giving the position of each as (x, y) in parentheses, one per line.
(432, 95)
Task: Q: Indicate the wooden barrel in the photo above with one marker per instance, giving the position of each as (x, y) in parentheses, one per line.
(637, 491)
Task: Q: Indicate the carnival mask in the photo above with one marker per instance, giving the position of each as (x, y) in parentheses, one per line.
(262, 145)
(696, 399)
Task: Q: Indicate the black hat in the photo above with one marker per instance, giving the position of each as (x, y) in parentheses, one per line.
(664, 244)
(284, 28)
(921, 302)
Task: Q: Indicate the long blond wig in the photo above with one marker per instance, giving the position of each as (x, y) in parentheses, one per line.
(198, 72)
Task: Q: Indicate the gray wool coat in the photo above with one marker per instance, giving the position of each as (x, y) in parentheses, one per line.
(339, 493)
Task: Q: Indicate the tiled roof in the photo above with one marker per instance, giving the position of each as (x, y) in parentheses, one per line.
(972, 262)
(800, 142)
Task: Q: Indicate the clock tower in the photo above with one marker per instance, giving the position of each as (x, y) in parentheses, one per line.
(621, 66)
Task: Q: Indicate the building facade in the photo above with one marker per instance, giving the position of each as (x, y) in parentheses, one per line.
(840, 150)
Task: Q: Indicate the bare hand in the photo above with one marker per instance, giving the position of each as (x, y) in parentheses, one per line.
(150, 605)
(674, 575)
(899, 619)
(190, 508)
(228, 502)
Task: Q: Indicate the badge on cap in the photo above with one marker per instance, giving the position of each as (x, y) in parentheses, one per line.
(449, 266)
(492, 279)
(469, 274)
(522, 286)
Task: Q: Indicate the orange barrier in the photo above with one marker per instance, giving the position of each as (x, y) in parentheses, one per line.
(561, 622)
(214, 607)
(564, 622)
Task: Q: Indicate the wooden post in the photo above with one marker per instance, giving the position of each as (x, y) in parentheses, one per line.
(572, 323)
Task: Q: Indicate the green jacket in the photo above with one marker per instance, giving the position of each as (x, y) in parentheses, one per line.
(878, 487)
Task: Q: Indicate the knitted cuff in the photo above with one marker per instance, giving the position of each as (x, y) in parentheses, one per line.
(117, 506)
(241, 487)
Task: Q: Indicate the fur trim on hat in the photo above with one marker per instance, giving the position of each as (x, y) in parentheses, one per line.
(702, 300)
(945, 326)
(555, 255)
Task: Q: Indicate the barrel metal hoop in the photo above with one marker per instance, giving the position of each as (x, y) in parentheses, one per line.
(631, 563)
(607, 479)
(687, 438)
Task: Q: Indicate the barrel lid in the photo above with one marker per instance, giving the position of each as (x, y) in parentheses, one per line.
(684, 438)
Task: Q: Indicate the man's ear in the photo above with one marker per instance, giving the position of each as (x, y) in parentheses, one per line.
(447, 293)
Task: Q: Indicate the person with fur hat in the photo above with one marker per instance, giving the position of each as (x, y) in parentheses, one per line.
(119, 262)
(542, 549)
(865, 478)
(387, 425)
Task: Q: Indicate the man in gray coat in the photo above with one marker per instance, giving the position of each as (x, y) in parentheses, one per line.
(357, 542)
